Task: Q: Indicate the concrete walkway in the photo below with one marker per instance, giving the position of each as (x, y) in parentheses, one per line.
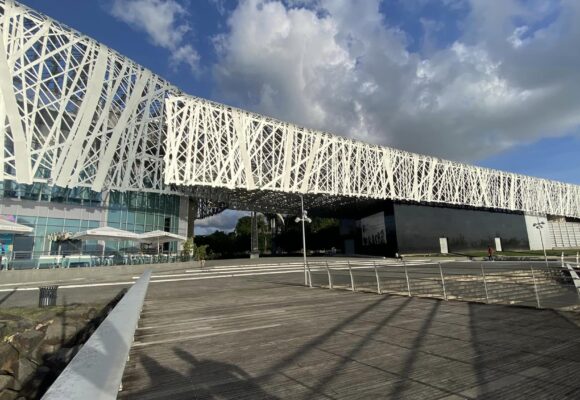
(262, 337)
(81, 285)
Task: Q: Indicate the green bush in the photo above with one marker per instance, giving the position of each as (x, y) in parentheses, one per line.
(201, 252)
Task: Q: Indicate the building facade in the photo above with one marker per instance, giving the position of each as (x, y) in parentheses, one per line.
(90, 138)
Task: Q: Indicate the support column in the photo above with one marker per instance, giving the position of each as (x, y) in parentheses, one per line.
(193, 208)
(254, 249)
(273, 233)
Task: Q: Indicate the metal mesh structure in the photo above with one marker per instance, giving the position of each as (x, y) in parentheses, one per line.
(210, 144)
(74, 113)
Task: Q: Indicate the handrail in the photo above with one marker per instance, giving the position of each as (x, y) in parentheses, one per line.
(574, 275)
(97, 369)
(529, 283)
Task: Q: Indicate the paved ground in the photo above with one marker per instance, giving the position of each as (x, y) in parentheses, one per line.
(259, 337)
(20, 288)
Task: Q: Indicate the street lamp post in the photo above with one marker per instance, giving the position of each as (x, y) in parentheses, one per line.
(539, 226)
(303, 219)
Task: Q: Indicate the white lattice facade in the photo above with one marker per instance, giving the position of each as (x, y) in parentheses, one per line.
(74, 113)
(214, 145)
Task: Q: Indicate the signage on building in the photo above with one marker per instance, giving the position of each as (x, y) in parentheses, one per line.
(373, 229)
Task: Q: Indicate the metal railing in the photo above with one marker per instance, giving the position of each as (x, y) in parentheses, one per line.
(97, 369)
(521, 283)
(47, 260)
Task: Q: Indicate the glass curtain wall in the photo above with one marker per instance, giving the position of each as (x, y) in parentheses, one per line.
(142, 212)
(132, 211)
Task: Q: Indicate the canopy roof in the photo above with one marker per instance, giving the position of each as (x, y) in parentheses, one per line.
(161, 237)
(106, 233)
(12, 227)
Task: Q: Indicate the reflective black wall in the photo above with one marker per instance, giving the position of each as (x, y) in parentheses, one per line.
(420, 227)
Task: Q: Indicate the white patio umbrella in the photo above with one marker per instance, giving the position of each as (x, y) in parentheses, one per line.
(12, 227)
(106, 233)
(161, 237)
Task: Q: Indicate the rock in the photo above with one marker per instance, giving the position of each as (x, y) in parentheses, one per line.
(63, 356)
(8, 317)
(6, 382)
(26, 369)
(27, 341)
(47, 315)
(8, 394)
(92, 313)
(56, 334)
(7, 328)
(44, 350)
(71, 314)
(3, 328)
(38, 383)
(8, 358)
(17, 385)
(24, 324)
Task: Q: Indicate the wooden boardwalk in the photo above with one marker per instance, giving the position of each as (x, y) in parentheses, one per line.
(253, 338)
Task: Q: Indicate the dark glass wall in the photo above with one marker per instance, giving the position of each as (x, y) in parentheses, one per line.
(387, 249)
(420, 227)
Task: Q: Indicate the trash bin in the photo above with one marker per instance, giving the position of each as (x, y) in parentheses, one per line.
(47, 296)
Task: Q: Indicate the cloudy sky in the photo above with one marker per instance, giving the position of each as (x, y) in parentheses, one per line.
(491, 82)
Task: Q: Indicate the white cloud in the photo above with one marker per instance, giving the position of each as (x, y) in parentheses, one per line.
(164, 22)
(516, 38)
(336, 65)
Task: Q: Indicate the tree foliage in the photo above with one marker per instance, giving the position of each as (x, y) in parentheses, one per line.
(321, 234)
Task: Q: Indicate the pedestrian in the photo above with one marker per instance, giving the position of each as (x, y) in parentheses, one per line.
(489, 253)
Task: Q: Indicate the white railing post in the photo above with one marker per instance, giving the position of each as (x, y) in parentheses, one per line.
(351, 277)
(379, 291)
(484, 284)
(535, 287)
(329, 276)
(407, 278)
(577, 259)
(562, 257)
(442, 281)
(309, 274)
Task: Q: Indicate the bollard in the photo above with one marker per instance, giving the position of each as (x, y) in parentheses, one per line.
(47, 296)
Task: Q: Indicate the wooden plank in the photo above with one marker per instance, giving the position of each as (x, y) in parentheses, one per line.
(252, 337)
